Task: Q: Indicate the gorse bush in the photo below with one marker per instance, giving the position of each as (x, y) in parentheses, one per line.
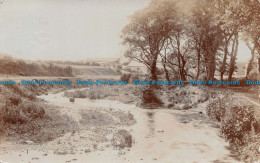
(237, 124)
(21, 112)
(238, 121)
(19, 105)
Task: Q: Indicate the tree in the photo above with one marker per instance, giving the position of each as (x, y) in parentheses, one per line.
(207, 37)
(251, 61)
(147, 32)
(179, 48)
(244, 16)
(233, 57)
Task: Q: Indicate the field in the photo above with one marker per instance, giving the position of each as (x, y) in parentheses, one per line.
(71, 121)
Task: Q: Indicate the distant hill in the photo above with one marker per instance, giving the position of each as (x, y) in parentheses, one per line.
(12, 66)
(93, 71)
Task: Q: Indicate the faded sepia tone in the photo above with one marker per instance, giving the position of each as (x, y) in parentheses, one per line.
(130, 81)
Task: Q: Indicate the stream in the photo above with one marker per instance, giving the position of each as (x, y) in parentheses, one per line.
(160, 135)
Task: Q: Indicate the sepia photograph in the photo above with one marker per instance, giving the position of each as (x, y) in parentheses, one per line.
(129, 81)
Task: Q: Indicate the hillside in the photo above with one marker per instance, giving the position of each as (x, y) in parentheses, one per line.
(12, 66)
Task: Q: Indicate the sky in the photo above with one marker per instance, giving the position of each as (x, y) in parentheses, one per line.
(68, 29)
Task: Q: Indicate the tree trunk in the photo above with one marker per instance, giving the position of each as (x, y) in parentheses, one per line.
(165, 68)
(211, 69)
(154, 68)
(223, 67)
(183, 73)
(166, 72)
(198, 71)
(233, 58)
(251, 61)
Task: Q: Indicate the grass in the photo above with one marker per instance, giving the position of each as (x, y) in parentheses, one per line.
(125, 94)
(95, 117)
(24, 117)
(52, 125)
(185, 97)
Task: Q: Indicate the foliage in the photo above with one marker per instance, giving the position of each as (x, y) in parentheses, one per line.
(192, 45)
(237, 124)
(18, 110)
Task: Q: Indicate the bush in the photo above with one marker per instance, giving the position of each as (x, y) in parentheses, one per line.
(122, 139)
(96, 93)
(126, 77)
(238, 121)
(237, 124)
(235, 119)
(23, 112)
(216, 110)
(149, 98)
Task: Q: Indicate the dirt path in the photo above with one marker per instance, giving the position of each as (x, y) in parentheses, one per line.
(159, 136)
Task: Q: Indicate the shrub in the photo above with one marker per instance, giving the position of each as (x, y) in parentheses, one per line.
(238, 121)
(96, 93)
(122, 139)
(126, 77)
(149, 98)
(237, 124)
(216, 109)
(22, 112)
(250, 152)
(15, 100)
(80, 94)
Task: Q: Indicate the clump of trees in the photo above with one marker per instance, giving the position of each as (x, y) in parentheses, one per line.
(195, 44)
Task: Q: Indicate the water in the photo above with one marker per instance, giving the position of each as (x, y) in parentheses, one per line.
(160, 135)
